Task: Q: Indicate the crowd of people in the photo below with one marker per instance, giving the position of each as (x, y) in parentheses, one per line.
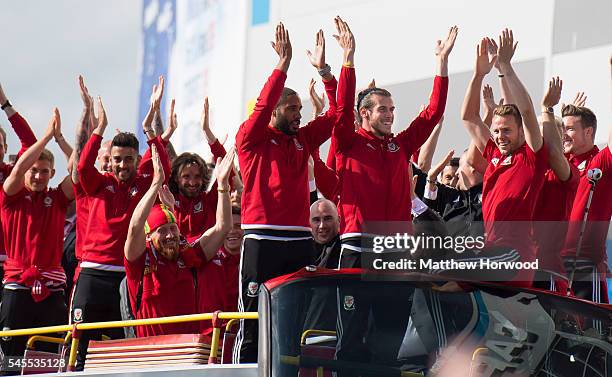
(125, 236)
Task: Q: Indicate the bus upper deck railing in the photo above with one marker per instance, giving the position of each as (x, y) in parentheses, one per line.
(75, 329)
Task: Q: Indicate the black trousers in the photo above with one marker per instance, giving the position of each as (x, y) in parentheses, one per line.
(262, 260)
(20, 311)
(96, 299)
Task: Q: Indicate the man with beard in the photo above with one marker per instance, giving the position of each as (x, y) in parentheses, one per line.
(217, 280)
(195, 207)
(112, 199)
(158, 261)
(273, 152)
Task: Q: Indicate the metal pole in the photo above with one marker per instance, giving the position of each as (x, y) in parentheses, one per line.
(593, 176)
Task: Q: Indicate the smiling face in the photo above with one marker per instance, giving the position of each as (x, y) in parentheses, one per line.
(38, 176)
(324, 221)
(378, 116)
(286, 117)
(190, 180)
(123, 162)
(577, 139)
(233, 240)
(507, 133)
(166, 239)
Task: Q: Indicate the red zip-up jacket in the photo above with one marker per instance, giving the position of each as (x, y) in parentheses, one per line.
(274, 165)
(195, 215)
(27, 139)
(111, 204)
(374, 179)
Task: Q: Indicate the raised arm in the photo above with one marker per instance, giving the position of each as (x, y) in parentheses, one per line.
(155, 103)
(135, 243)
(533, 137)
(19, 124)
(83, 130)
(166, 134)
(422, 126)
(343, 133)
(318, 102)
(253, 130)
(506, 94)
(89, 177)
(443, 50)
(213, 238)
(60, 139)
(217, 149)
(16, 180)
(320, 128)
(552, 136)
(470, 110)
(429, 147)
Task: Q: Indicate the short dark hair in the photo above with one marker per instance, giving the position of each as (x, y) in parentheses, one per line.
(235, 209)
(510, 110)
(283, 98)
(183, 160)
(126, 140)
(587, 117)
(454, 162)
(364, 98)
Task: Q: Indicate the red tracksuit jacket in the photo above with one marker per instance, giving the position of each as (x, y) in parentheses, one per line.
(274, 165)
(374, 178)
(111, 204)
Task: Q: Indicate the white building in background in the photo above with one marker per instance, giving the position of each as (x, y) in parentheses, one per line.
(222, 49)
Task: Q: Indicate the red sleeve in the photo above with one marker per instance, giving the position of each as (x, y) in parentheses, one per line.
(193, 255)
(320, 129)
(23, 131)
(331, 155)
(344, 129)
(325, 178)
(571, 185)
(489, 151)
(217, 150)
(146, 165)
(422, 126)
(7, 200)
(134, 272)
(91, 179)
(253, 130)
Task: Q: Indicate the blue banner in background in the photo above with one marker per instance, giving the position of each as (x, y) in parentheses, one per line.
(159, 35)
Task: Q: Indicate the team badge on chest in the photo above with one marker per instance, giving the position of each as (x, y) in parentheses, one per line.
(392, 147)
(48, 201)
(197, 208)
(349, 303)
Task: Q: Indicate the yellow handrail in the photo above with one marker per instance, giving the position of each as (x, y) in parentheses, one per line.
(115, 324)
(133, 322)
(310, 332)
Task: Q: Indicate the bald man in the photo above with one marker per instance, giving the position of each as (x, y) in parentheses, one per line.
(325, 224)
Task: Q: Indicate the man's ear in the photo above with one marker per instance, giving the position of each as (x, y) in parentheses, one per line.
(589, 132)
(138, 160)
(363, 112)
(52, 173)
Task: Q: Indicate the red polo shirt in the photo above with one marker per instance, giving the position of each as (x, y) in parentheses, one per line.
(34, 225)
(27, 139)
(594, 240)
(510, 190)
(552, 213)
(168, 289)
(218, 285)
